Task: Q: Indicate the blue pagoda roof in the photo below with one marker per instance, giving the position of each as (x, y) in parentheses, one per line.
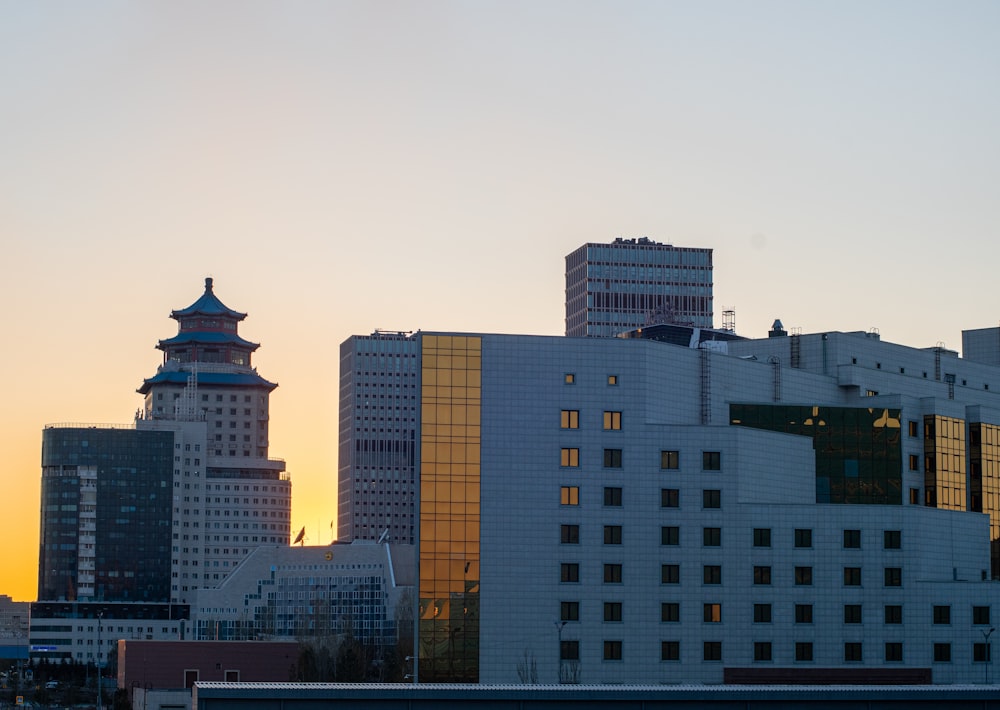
(209, 379)
(208, 305)
(207, 338)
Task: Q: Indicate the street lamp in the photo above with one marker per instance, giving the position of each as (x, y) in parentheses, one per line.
(989, 656)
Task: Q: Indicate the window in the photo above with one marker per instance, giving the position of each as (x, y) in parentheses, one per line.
(803, 651)
(613, 497)
(803, 613)
(569, 650)
(569, 457)
(670, 612)
(762, 537)
(803, 537)
(914, 496)
(852, 613)
(612, 611)
(670, 574)
(569, 495)
(612, 420)
(670, 498)
(569, 611)
(893, 614)
(612, 534)
(711, 537)
(852, 539)
(914, 462)
(942, 653)
(569, 534)
(942, 614)
(569, 419)
(670, 650)
(569, 378)
(852, 652)
(981, 615)
(612, 379)
(670, 535)
(803, 576)
(894, 652)
(980, 653)
(762, 613)
(712, 613)
(712, 651)
(711, 574)
(852, 576)
(913, 428)
(893, 577)
(761, 575)
(711, 499)
(612, 574)
(612, 458)
(569, 572)
(670, 460)
(892, 539)
(612, 650)
(762, 651)
(711, 461)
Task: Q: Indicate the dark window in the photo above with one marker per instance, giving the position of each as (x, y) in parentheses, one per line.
(762, 613)
(569, 534)
(670, 612)
(612, 611)
(612, 574)
(670, 460)
(670, 498)
(612, 650)
(613, 497)
(803, 651)
(981, 615)
(981, 652)
(914, 462)
(612, 534)
(942, 614)
(711, 461)
(892, 539)
(913, 428)
(852, 538)
(852, 576)
(894, 652)
(670, 650)
(569, 611)
(670, 574)
(852, 652)
(803, 537)
(893, 614)
(712, 613)
(569, 572)
(803, 575)
(762, 651)
(711, 537)
(852, 613)
(942, 653)
(761, 575)
(670, 535)
(713, 651)
(711, 499)
(803, 613)
(569, 650)
(915, 496)
(893, 576)
(612, 458)
(712, 574)
(762, 537)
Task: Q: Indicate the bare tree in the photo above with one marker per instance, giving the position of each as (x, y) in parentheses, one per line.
(527, 668)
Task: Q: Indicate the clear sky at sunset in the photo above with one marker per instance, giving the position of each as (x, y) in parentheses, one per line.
(344, 166)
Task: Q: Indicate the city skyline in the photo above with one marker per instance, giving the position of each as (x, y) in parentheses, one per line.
(343, 168)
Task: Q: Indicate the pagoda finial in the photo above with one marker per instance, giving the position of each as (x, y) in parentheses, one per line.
(208, 284)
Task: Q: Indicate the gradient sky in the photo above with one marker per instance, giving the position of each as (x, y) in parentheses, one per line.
(344, 166)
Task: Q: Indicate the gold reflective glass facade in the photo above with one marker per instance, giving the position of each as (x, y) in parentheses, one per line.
(944, 462)
(984, 482)
(450, 404)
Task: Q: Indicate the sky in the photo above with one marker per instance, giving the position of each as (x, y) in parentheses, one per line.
(343, 166)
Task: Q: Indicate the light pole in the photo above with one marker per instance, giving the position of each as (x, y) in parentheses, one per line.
(989, 656)
(559, 628)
